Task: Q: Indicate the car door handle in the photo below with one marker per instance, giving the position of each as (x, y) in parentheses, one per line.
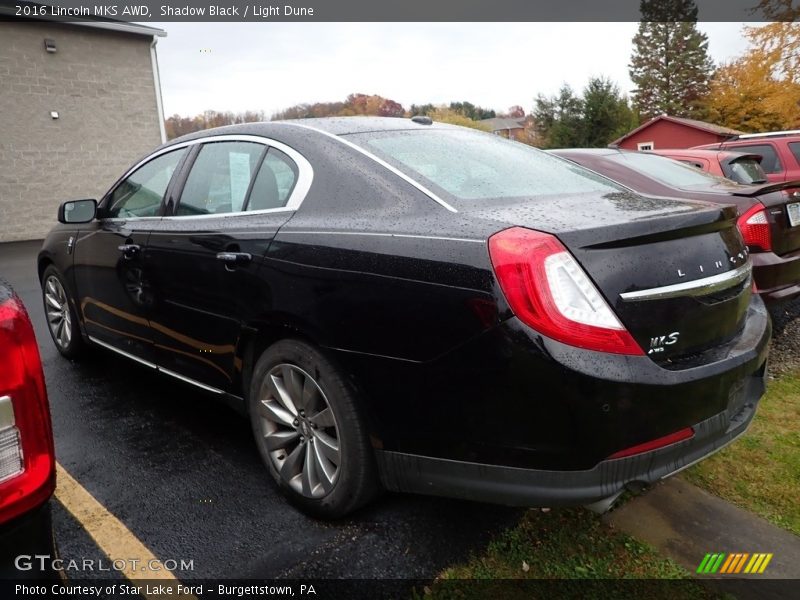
(129, 250)
(234, 258)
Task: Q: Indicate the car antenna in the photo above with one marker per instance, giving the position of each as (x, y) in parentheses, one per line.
(422, 119)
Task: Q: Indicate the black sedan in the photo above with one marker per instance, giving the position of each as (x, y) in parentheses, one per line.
(412, 306)
(769, 213)
(27, 458)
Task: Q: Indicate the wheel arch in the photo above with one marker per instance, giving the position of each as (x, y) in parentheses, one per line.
(262, 333)
(42, 263)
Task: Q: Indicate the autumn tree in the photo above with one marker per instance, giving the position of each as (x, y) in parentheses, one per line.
(777, 10)
(760, 91)
(374, 105)
(354, 104)
(309, 111)
(514, 112)
(445, 114)
(670, 66)
(778, 46)
(176, 125)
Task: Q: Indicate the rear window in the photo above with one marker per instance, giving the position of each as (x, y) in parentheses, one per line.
(770, 161)
(479, 166)
(747, 171)
(667, 170)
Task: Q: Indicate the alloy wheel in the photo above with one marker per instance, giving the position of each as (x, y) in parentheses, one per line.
(299, 430)
(59, 319)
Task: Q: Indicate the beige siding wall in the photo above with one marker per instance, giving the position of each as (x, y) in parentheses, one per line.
(101, 84)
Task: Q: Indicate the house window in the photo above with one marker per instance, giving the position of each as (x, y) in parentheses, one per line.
(645, 146)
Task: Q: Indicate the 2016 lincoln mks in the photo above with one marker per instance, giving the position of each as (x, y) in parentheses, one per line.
(420, 307)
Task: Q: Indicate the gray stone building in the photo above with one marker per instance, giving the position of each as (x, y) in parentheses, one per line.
(79, 102)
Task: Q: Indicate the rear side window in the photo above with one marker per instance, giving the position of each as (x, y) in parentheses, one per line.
(220, 178)
(140, 194)
(274, 183)
(770, 162)
(795, 148)
(479, 166)
(692, 163)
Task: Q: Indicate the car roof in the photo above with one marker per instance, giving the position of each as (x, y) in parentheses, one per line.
(348, 125)
(590, 151)
(331, 125)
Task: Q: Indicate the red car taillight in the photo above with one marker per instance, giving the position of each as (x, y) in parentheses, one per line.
(27, 457)
(662, 442)
(755, 229)
(547, 290)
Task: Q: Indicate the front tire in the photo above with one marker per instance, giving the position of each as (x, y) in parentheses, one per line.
(59, 310)
(309, 432)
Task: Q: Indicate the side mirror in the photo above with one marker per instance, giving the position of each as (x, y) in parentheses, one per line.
(77, 211)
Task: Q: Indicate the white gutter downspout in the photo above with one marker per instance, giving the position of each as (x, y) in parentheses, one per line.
(157, 84)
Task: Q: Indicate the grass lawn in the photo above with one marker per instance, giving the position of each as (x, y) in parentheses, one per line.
(761, 470)
(565, 544)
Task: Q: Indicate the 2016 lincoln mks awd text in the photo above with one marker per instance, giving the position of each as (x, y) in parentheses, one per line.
(420, 307)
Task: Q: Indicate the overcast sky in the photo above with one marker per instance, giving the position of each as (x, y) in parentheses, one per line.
(270, 66)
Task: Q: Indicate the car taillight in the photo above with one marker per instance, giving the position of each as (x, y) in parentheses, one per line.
(27, 458)
(547, 290)
(662, 442)
(755, 229)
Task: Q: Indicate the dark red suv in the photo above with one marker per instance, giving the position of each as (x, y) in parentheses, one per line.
(780, 151)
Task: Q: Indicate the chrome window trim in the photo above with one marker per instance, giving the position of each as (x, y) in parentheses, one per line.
(305, 176)
(379, 234)
(381, 162)
(697, 287)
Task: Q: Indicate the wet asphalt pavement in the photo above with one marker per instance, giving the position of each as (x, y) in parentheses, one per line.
(181, 471)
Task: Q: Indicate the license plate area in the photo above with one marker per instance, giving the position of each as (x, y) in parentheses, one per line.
(793, 210)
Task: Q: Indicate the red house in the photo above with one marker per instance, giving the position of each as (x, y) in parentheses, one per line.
(664, 133)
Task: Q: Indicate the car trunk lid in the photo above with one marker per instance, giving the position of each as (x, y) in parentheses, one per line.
(676, 273)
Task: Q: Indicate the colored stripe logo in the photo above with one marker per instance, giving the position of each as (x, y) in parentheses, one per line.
(737, 562)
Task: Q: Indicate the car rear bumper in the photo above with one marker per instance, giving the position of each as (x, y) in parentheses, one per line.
(24, 538)
(777, 277)
(606, 480)
(520, 419)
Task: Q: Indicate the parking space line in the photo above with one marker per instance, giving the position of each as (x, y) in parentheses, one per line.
(112, 537)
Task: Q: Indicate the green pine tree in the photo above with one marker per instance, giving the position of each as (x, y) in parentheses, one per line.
(606, 113)
(670, 66)
(559, 119)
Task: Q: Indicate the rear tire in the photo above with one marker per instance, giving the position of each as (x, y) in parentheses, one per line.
(59, 311)
(309, 431)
